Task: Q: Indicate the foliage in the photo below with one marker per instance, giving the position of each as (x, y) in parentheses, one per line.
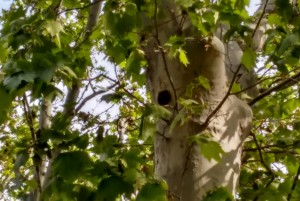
(105, 152)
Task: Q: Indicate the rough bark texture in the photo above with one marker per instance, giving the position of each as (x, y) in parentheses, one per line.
(188, 173)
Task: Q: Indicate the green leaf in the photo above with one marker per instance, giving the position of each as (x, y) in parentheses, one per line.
(131, 175)
(249, 58)
(296, 125)
(235, 88)
(274, 19)
(186, 3)
(160, 112)
(112, 187)
(58, 189)
(241, 4)
(5, 103)
(32, 184)
(175, 45)
(286, 13)
(83, 142)
(220, 194)
(120, 23)
(53, 27)
(4, 53)
(72, 165)
(272, 193)
(148, 129)
(100, 169)
(69, 72)
(179, 119)
(187, 102)
(21, 159)
(134, 65)
(287, 42)
(204, 82)
(112, 97)
(211, 150)
(151, 192)
(183, 58)
(208, 147)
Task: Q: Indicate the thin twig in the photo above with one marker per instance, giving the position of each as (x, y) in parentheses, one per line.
(207, 121)
(263, 163)
(260, 18)
(296, 178)
(282, 85)
(79, 8)
(29, 119)
(93, 95)
(260, 154)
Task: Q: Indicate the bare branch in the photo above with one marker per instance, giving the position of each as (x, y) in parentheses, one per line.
(263, 163)
(93, 95)
(29, 119)
(81, 8)
(207, 121)
(260, 18)
(74, 91)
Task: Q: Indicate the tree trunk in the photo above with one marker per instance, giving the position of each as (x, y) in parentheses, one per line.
(190, 175)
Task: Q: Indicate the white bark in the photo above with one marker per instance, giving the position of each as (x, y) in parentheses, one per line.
(188, 173)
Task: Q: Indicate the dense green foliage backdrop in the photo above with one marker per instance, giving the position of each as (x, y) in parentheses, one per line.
(101, 143)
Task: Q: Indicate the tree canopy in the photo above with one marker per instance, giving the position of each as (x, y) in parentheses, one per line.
(77, 121)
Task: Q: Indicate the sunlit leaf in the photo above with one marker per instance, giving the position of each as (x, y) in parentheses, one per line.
(204, 82)
(235, 88)
(53, 27)
(183, 58)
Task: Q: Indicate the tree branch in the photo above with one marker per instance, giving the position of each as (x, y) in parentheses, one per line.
(29, 119)
(81, 8)
(263, 163)
(260, 18)
(260, 154)
(93, 95)
(296, 178)
(164, 58)
(207, 121)
(74, 91)
(282, 85)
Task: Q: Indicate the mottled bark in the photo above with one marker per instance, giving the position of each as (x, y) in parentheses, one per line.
(188, 173)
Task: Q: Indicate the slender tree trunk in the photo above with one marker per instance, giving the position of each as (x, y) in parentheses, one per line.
(179, 161)
(70, 102)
